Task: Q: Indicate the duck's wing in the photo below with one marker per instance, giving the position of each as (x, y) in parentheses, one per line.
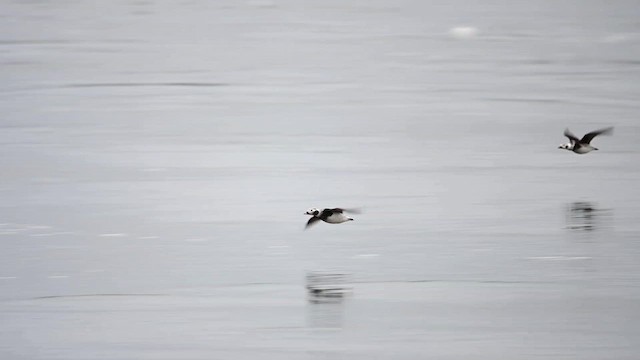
(311, 221)
(588, 137)
(341, 210)
(571, 137)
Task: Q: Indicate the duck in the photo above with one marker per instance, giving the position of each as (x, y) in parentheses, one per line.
(331, 216)
(583, 146)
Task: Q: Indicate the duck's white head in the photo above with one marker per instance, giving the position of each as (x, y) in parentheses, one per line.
(313, 211)
(566, 146)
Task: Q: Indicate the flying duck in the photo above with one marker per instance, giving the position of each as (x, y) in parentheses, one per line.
(583, 146)
(331, 216)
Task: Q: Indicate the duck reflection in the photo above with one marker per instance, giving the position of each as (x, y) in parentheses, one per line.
(585, 216)
(326, 293)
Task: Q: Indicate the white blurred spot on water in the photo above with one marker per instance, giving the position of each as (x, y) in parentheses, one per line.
(150, 237)
(463, 32)
(619, 38)
(113, 235)
(365, 256)
(559, 258)
(52, 234)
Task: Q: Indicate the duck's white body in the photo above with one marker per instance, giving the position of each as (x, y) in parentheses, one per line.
(337, 218)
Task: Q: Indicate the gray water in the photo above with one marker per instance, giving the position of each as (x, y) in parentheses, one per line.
(157, 159)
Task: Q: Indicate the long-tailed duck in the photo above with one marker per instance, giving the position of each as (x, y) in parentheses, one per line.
(582, 146)
(331, 216)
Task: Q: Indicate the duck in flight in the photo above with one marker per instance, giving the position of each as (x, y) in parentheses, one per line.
(331, 216)
(583, 146)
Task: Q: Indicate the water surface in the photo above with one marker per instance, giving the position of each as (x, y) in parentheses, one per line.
(157, 159)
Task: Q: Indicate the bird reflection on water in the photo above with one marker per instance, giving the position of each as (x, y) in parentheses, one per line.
(326, 293)
(326, 286)
(586, 216)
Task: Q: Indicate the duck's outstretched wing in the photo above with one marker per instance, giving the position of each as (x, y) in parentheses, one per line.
(311, 221)
(588, 137)
(349, 210)
(571, 137)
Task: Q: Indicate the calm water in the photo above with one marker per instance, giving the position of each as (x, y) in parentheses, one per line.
(157, 159)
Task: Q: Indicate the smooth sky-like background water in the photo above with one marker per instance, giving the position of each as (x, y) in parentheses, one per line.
(157, 159)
